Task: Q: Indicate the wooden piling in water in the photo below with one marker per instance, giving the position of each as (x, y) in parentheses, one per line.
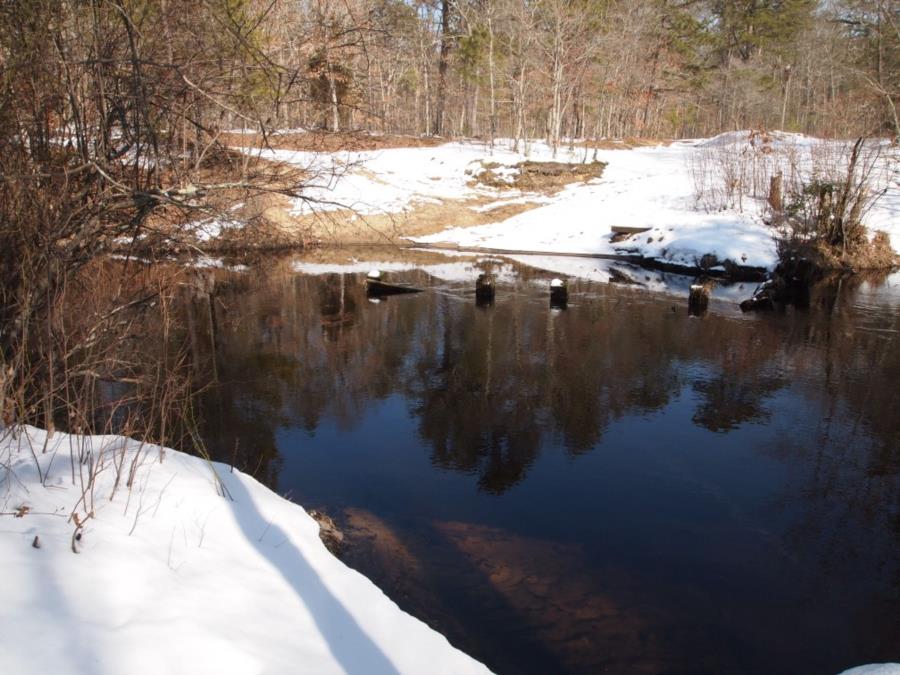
(484, 287)
(698, 299)
(559, 294)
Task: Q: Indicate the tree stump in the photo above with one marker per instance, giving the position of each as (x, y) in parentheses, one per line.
(776, 199)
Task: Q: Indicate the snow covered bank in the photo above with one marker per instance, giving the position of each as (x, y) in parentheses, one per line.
(654, 188)
(393, 180)
(875, 669)
(650, 188)
(173, 577)
(643, 188)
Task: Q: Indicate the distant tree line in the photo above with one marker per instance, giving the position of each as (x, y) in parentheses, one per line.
(593, 68)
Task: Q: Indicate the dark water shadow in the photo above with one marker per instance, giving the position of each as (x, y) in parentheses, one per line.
(350, 645)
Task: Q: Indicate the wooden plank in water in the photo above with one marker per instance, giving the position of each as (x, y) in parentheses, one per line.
(375, 287)
(627, 229)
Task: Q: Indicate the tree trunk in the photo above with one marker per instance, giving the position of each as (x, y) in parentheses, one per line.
(443, 63)
(491, 79)
(335, 111)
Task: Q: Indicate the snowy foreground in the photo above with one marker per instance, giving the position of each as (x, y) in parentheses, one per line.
(173, 577)
(644, 187)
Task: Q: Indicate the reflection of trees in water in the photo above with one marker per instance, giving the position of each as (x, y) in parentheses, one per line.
(847, 364)
(742, 374)
(490, 388)
(291, 350)
(496, 384)
(337, 306)
(728, 402)
(467, 396)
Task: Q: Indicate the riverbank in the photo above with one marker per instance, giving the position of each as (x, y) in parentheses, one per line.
(664, 205)
(673, 206)
(122, 557)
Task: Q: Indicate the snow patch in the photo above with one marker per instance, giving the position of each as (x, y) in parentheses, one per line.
(198, 569)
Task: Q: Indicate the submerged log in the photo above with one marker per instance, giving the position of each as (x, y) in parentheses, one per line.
(375, 288)
(759, 302)
(559, 294)
(790, 285)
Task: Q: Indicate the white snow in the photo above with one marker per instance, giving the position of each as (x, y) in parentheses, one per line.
(395, 179)
(874, 669)
(650, 187)
(173, 577)
(641, 187)
(653, 187)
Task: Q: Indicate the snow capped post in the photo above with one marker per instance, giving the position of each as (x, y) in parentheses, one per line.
(698, 298)
(559, 293)
(484, 289)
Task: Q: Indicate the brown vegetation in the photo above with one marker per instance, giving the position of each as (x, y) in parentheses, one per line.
(541, 177)
(863, 254)
(325, 141)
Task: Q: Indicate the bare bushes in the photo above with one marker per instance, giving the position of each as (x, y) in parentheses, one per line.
(104, 357)
(814, 193)
(110, 116)
(735, 171)
(829, 206)
(104, 361)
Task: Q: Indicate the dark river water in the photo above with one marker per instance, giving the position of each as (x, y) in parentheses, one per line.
(616, 487)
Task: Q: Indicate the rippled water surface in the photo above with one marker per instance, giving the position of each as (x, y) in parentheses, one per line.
(612, 487)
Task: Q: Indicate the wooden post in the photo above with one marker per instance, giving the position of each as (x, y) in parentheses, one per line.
(559, 294)
(698, 299)
(484, 289)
